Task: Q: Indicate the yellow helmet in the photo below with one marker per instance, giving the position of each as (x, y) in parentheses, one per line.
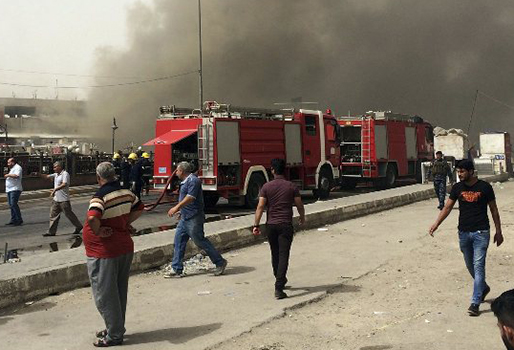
(116, 156)
(132, 156)
(145, 155)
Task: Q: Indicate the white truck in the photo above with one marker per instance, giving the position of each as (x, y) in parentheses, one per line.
(453, 143)
(495, 153)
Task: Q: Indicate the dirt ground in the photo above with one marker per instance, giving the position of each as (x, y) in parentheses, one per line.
(391, 286)
(416, 301)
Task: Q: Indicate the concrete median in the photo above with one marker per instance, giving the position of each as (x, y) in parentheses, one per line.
(29, 195)
(40, 275)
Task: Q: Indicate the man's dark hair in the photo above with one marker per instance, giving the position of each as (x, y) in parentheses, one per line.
(279, 165)
(466, 165)
(503, 308)
(438, 152)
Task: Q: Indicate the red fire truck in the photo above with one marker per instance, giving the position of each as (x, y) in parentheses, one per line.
(232, 148)
(383, 146)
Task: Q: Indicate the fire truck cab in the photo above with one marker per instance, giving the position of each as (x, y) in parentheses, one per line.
(232, 148)
(383, 146)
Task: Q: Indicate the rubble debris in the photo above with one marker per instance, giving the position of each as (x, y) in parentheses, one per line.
(193, 265)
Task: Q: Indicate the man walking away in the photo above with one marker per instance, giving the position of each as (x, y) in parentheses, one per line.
(190, 210)
(61, 201)
(13, 190)
(439, 169)
(474, 197)
(109, 250)
(279, 196)
(503, 308)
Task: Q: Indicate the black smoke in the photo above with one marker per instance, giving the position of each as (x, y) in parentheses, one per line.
(409, 56)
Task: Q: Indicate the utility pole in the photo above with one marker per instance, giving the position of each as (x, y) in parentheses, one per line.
(200, 71)
(114, 127)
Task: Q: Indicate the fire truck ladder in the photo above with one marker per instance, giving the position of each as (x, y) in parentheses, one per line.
(366, 146)
(204, 147)
(228, 110)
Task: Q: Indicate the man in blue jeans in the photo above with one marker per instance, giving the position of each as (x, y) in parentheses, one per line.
(192, 217)
(474, 197)
(440, 169)
(13, 190)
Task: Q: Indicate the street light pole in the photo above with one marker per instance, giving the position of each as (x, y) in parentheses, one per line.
(114, 127)
(200, 71)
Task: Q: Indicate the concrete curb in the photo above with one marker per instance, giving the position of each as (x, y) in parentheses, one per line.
(66, 270)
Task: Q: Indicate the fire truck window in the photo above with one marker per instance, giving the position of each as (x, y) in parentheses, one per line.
(331, 132)
(310, 125)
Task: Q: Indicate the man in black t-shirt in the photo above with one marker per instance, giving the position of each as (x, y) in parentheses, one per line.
(279, 196)
(474, 197)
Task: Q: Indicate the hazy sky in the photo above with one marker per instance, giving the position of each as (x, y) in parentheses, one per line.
(56, 36)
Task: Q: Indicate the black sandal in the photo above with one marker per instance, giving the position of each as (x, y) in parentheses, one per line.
(104, 343)
(101, 334)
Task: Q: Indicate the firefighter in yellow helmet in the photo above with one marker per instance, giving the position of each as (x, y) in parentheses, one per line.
(136, 175)
(116, 162)
(147, 171)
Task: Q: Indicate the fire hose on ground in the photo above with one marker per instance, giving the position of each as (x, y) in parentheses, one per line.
(149, 207)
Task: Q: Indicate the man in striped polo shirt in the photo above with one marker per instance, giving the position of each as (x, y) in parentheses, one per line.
(109, 250)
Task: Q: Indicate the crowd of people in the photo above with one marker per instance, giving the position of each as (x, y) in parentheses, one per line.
(117, 204)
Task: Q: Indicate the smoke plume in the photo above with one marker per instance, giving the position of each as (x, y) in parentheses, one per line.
(408, 56)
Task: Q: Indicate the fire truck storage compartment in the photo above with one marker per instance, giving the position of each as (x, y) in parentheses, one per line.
(351, 144)
(293, 144)
(381, 148)
(228, 152)
(412, 150)
(185, 150)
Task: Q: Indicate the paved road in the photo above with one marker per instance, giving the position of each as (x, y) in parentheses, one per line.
(28, 239)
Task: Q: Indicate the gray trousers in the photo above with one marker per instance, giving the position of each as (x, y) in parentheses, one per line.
(109, 281)
(55, 214)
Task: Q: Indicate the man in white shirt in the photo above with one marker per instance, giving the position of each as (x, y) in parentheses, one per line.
(61, 201)
(13, 189)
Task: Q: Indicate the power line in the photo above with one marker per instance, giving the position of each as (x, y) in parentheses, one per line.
(66, 74)
(496, 100)
(106, 85)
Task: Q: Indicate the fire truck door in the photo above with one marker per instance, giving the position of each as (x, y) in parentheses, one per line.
(311, 141)
(331, 142)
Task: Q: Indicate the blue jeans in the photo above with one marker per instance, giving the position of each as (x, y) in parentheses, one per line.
(192, 228)
(474, 247)
(12, 200)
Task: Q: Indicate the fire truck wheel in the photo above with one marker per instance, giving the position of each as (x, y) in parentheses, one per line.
(210, 199)
(252, 192)
(390, 176)
(325, 184)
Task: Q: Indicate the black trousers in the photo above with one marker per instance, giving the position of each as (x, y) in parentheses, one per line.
(280, 238)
